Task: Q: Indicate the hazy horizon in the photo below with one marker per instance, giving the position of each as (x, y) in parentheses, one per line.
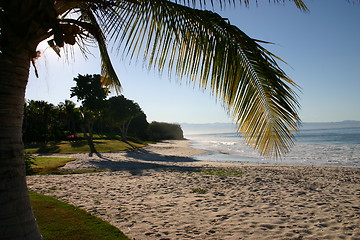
(194, 128)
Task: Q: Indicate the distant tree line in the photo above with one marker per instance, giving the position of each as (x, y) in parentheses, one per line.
(44, 122)
(162, 131)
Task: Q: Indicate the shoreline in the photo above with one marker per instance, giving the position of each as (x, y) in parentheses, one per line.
(289, 159)
(150, 194)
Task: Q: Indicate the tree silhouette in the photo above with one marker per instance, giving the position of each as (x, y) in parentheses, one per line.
(122, 111)
(70, 116)
(92, 94)
(41, 122)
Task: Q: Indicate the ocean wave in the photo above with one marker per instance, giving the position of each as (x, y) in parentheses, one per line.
(322, 152)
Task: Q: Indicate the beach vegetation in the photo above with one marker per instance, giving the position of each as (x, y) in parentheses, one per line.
(59, 220)
(162, 131)
(41, 165)
(81, 146)
(29, 163)
(51, 165)
(199, 190)
(90, 91)
(121, 112)
(41, 122)
(78, 125)
(70, 118)
(186, 38)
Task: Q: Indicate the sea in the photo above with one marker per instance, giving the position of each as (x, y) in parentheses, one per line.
(316, 144)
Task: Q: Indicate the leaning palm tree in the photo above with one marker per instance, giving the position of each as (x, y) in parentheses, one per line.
(181, 36)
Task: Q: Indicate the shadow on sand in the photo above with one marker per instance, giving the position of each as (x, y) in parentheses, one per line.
(140, 160)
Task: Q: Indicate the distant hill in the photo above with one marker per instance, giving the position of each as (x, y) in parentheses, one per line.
(326, 125)
(230, 127)
(189, 128)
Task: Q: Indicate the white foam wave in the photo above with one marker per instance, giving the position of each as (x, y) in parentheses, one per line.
(226, 149)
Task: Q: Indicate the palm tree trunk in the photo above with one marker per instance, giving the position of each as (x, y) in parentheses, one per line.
(16, 217)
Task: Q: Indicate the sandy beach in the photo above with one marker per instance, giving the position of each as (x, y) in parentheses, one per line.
(161, 192)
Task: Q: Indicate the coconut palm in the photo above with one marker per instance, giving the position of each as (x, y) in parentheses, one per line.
(182, 37)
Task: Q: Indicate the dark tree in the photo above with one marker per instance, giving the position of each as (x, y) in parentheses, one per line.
(92, 95)
(41, 122)
(162, 131)
(121, 112)
(138, 127)
(90, 91)
(70, 116)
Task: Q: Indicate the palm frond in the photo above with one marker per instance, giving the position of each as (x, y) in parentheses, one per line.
(91, 31)
(109, 77)
(203, 3)
(201, 45)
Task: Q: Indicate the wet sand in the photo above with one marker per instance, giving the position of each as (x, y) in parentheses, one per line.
(160, 192)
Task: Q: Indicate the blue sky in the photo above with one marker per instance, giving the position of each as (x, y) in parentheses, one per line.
(321, 48)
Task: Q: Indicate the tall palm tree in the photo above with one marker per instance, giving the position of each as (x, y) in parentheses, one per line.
(181, 36)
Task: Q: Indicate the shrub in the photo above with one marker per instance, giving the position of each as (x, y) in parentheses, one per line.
(29, 162)
(199, 190)
(164, 131)
(73, 137)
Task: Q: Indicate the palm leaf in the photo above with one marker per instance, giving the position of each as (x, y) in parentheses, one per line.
(108, 73)
(201, 45)
(203, 3)
(91, 33)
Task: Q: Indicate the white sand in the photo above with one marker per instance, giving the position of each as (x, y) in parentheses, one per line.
(149, 194)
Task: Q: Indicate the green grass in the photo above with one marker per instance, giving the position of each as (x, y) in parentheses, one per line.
(221, 172)
(81, 146)
(199, 190)
(50, 165)
(61, 221)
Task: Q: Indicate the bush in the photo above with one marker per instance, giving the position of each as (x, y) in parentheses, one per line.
(29, 162)
(73, 137)
(165, 131)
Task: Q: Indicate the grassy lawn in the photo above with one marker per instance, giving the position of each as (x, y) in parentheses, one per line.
(81, 146)
(61, 221)
(50, 165)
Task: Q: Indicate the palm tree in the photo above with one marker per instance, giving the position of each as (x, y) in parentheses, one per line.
(181, 36)
(70, 116)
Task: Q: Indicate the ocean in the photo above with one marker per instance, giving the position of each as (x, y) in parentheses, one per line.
(316, 144)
